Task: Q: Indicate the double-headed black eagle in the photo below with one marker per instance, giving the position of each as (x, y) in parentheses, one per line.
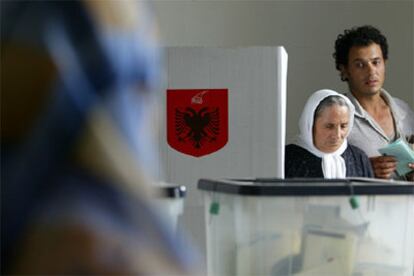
(197, 127)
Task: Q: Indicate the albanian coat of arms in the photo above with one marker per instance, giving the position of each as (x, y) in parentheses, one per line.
(197, 120)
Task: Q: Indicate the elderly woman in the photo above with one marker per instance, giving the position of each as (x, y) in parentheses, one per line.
(322, 149)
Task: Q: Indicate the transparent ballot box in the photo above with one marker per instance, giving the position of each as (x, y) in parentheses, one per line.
(309, 227)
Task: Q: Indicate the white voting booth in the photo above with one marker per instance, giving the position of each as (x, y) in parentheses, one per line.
(255, 78)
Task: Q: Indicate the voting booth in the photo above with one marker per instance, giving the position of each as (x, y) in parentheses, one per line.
(309, 227)
(242, 90)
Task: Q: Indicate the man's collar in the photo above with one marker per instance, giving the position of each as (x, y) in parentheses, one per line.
(362, 113)
(359, 110)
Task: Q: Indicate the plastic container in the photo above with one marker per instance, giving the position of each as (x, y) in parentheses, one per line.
(171, 203)
(309, 227)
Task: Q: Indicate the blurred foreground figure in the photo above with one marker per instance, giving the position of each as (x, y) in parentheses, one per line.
(75, 147)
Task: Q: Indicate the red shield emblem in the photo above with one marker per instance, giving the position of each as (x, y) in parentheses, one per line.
(197, 120)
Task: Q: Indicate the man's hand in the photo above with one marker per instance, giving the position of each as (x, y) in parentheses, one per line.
(383, 166)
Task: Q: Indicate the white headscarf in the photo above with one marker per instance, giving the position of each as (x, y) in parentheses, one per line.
(333, 165)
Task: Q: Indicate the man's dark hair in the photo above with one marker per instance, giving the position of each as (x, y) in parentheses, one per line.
(357, 36)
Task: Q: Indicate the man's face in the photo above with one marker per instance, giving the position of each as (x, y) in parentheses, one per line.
(365, 70)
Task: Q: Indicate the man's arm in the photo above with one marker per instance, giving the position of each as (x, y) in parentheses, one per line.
(410, 176)
(410, 140)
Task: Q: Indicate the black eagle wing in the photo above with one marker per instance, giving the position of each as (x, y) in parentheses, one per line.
(211, 121)
(181, 123)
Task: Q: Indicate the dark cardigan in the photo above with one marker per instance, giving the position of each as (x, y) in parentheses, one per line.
(301, 163)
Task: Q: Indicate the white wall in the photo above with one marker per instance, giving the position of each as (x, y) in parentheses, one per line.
(307, 29)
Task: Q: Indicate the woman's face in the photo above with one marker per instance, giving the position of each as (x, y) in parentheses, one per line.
(330, 128)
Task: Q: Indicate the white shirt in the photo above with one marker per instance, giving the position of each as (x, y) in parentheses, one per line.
(366, 132)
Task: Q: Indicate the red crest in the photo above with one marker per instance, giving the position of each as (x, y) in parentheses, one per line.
(197, 120)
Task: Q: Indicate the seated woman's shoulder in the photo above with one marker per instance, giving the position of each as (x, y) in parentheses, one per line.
(294, 152)
(294, 148)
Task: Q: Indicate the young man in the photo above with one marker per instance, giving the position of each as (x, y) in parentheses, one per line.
(360, 56)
